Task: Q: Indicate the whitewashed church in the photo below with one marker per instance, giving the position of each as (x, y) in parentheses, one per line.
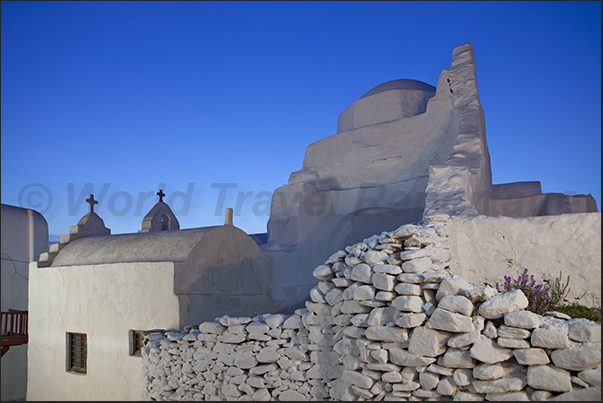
(405, 149)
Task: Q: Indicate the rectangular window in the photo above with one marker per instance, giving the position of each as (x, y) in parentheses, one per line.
(136, 342)
(78, 352)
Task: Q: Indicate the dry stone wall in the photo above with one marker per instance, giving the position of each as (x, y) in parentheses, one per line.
(387, 321)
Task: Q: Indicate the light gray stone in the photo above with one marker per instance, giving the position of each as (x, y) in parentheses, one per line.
(412, 278)
(382, 281)
(502, 385)
(317, 296)
(433, 277)
(360, 319)
(411, 320)
(325, 371)
(317, 308)
(362, 393)
(233, 321)
(455, 358)
(584, 331)
(466, 339)
(426, 394)
(362, 272)
(456, 304)
(467, 397)
(275, 320)
(512, 343)
(365, 292)
(513, 332)
(334, 296)
(488, 372)
(450, 322)
(440, 370)
(391, 377)
(579, 382)
(267, 357)
(211, 327)
(262, 369)
(342, 282)
(521, 396)
(581, 395)
(531, 356)
(381, 316)
(381, 356)
(552, 338)
(406, 387)
(255, 382)
(546, 377)
(257, 327)
(490, 330)
(245, 361)
(541, 395)
(417, 265)
(387, 269)
(428, 380)
(353, 307)
(402, 357)
(293, 322)
(408, 303)
(386, 334)
(501, 304)
(579, 357)
(357, 379)
(452, 285)
(383, 367)
(462, 377)
(428, 342)
(592, 377)
(446, 387)
(385, 296)
(486, 350)
(323, 272)
(291, 395)
(480, 293)
(374, 256)
(523, 319)
(407, 289)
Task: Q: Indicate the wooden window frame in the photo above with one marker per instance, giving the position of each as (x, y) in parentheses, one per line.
(77, 353)
(136, 342)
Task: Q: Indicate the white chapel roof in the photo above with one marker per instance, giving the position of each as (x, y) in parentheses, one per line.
(161, 246)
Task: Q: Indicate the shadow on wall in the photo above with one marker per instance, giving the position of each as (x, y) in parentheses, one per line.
(364, 223)
(240, 288)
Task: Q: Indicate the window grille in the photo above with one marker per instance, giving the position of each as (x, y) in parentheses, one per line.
(78, 352)
(137, 341)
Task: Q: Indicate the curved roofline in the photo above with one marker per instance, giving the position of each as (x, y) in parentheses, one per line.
(401, 84)
(160, 246)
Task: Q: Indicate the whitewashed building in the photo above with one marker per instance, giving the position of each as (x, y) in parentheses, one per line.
(24, 238)
(94, 293)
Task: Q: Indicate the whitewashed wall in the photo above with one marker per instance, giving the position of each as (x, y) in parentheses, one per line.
(24, 237)
(105, 302)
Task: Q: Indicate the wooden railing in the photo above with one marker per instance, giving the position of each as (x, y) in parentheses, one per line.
(14, 329)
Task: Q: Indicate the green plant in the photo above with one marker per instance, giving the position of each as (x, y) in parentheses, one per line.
(580, 311)
(558, 290)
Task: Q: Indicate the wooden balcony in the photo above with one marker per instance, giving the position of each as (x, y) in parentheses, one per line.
(14, 329)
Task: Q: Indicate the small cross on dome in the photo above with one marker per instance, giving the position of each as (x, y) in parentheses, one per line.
(92, 202)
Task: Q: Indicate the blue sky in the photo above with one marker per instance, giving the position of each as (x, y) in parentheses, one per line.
(120, 98)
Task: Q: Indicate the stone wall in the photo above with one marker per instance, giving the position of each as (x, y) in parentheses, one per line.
(387, 321)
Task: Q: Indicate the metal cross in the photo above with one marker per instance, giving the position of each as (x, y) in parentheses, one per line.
(92, 202)
(161, 195)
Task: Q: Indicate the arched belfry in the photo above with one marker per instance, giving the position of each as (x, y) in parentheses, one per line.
(160, 218)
